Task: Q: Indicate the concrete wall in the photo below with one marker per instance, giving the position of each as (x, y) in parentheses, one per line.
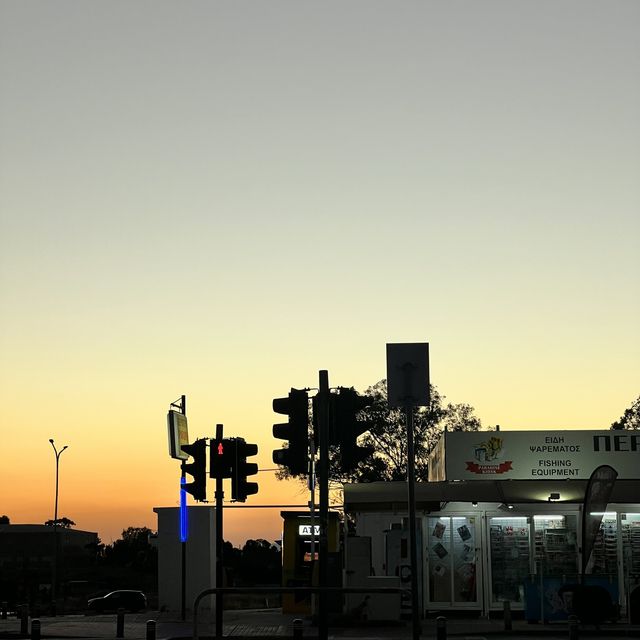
(200, 557)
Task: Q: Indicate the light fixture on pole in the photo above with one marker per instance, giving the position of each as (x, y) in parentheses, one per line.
(54, 580)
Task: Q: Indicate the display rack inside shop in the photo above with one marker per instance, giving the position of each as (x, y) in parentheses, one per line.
(631, 544)
(509, 559)
(605, 549)
(555, 547)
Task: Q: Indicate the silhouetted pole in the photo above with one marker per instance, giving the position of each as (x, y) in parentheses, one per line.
(183, 543)
(183, 546)
(54, 585)
(411, 498)
(408, 387)
(323, 468)
(219, 495)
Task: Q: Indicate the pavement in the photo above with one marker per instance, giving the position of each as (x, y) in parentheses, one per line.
(267, 624)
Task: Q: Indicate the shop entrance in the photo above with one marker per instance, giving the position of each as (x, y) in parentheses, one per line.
(453, 562)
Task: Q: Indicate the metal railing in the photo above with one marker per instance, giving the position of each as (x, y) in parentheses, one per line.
(279, 590)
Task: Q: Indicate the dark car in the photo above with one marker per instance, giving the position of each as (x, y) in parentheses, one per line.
(127, 599)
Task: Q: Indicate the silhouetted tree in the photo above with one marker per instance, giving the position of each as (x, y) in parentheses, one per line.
(630, 419)
(387, 435)
(63, 523)
(260, 563)
(133, 550)
(5, 520)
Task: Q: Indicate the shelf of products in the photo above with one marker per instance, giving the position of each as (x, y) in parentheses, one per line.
(605, 548)
(630, 532)
(509, 540)
(555, 545)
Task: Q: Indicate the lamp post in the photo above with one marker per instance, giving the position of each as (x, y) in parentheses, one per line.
(54, 580)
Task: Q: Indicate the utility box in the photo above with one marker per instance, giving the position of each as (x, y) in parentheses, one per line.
(359, 573)
(398, 561)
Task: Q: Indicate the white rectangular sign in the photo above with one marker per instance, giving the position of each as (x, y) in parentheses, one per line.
(305, 529)
(538, 455)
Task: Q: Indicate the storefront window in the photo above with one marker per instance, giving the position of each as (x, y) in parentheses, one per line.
(556, 549)
(452, 560)
(630, 531)
(631, 544)
(509, 541)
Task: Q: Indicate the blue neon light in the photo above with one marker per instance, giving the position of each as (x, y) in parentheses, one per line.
(184, 529)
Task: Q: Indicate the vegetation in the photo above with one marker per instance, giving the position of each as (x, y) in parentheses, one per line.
(63, 523)
(132, 551)
(259, 562)
(630, 419)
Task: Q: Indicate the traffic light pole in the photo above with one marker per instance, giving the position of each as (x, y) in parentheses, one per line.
(183, 543)
(323, 468)
(183, 567)
(219, 496)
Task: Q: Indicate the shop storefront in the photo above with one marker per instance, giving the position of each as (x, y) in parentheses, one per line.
(496, 526)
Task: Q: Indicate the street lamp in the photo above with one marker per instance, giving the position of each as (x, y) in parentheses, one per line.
(55, 530)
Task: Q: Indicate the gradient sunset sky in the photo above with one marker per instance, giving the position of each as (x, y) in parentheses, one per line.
(219, 199)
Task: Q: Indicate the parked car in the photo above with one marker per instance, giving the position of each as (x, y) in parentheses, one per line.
(127, 599)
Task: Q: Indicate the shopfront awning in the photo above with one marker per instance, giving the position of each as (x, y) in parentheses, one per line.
(430, 496)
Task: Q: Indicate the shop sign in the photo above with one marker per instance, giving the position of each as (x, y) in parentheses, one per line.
(538, 455)
(178, 434)
(307, 530)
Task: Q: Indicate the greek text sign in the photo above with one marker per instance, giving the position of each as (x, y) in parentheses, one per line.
(538, 455)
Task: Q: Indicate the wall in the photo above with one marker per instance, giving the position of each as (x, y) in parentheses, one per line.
(200, 557)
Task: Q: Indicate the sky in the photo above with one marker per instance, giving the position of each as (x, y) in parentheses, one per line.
(220, 199)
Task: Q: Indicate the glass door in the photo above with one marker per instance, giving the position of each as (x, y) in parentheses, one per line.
(509, 558)
(453, 550)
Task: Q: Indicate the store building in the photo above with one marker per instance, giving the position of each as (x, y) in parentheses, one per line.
(501, 518)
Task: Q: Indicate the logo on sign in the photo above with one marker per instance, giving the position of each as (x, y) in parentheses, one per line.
(487, 456)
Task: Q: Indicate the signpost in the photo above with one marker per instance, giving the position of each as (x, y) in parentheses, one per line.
(408, 387)
(178, 433)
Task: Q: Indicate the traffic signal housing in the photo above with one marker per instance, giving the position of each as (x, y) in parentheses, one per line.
(345, 428)
(222, 458)
(197, 469)
(296, 455)
(240, 487)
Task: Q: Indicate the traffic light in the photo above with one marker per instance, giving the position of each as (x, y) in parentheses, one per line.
(345, 427)
(296, 456)
(240, 488)
(198, 469)
(222, 458)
